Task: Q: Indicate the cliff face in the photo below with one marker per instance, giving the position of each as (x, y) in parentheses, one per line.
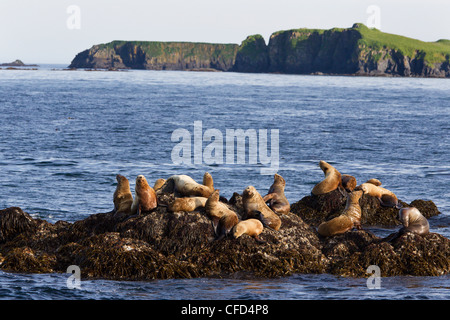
(157, 56)
(252, 56)
(357, 51)
(307, 51)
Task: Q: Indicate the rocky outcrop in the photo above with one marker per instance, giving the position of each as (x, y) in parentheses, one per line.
(306, 51)
(252, 56)
(17, 63)
(351, 51)
(157, 56)
(163, 244)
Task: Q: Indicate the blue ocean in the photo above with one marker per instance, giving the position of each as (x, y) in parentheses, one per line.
(66, 134)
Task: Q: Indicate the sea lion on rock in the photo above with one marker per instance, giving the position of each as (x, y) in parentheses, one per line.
(331, 182)
(254, 204)
(374, 182)
(187, 204)
(251, 227)
(145, 196)
(386, 197)
(348, 182)
(350, 217)
(123, 198)
(184, 185)
(276, 197)
(413, 221)
(223, 218)
(158, 184)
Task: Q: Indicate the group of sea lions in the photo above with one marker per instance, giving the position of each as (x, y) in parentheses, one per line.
(411, 218)
(259, 212)
(189, 196)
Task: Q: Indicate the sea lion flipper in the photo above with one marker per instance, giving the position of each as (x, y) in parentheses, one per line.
(215, 223)
(269, 196)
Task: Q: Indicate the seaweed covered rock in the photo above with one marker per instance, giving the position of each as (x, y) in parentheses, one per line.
(14, 222)
(162, 244)
(409, 254)
(315, 209)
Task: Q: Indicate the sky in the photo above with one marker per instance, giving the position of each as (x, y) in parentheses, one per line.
(54, 31)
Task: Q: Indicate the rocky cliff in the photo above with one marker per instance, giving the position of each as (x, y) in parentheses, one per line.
(355, 51)
(157, 56)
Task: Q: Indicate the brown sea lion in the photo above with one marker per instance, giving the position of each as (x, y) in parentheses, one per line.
(348, 182)
(158, 184)
(223, 218)
(276, 197)
(187, 204)
(350, 217)
(123, 198)
(185, 186)
(374, 181)
(145, 196)
(251, 227)
(386, 197)
(413, 221)
(254, 204)
(331, 181)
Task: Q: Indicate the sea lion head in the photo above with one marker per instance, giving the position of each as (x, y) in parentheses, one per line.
(279, 179)
(120, 178)
(141, 181)
(249, 192)
(363, 188)
(348, 182)
(403, 215)
(208, 180)
(325, 166)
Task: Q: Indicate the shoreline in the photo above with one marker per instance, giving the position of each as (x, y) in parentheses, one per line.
(210, 70)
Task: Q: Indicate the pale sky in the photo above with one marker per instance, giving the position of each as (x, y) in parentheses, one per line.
(37, 31)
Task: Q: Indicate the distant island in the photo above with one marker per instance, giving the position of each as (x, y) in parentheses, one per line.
(358, 50)
(17, 63)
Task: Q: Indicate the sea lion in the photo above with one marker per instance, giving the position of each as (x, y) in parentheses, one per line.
(158, 184)
(254, 204)
(226, 224)
(350, 217)
(331, 181)
(386, 197)
(251, 227)
(276, 197)
(123, 198)
(186, 186)
(413, 221)
(223, 218)
(187, 204)
(374, 181)
(348, 182)
(145, 196)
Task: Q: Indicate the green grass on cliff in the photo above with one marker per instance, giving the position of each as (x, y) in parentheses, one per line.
(375, 40)
(201, 50)
(432, 52)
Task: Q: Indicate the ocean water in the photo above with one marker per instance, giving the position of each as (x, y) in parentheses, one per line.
(66, 134)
